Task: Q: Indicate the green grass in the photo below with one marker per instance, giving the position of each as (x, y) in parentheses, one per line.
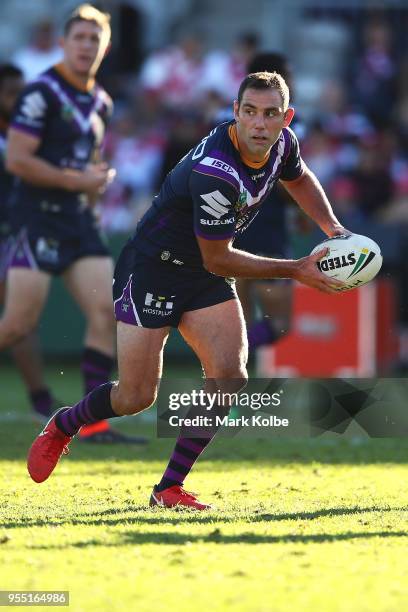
(300, 525)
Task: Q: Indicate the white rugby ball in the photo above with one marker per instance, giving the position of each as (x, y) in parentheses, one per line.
(354, 259)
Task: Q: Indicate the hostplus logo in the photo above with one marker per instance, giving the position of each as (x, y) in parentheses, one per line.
(160, 306)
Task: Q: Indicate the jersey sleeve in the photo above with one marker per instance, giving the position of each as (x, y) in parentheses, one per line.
(213, 206)
(293, 166)
(30, 114)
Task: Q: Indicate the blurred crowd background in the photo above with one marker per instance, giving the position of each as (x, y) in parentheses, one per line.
(173, 72)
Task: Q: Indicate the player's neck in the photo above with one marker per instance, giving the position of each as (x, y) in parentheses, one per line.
(245, 155)
(84, 82)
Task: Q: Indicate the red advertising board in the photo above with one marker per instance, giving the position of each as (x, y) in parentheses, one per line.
(346, 334)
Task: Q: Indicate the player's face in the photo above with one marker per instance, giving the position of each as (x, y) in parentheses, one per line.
(84, 47)
(9, 92)
(260, 118)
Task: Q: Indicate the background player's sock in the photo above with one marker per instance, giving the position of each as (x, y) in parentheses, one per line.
(96, 368)
(42, 401)
(185, 454)
(92, 408)
(260, 334)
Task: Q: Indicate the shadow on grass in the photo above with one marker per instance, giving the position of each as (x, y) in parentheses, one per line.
(185, 516)
(133, 538)
(16, 439)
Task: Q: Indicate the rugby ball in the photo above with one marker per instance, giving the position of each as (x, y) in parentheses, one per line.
(354, 259)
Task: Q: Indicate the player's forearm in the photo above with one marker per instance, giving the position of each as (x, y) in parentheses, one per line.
(41, 173)
(310, 196)
(241, 264)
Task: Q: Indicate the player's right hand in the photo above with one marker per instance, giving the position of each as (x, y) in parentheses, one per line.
(95, 178)
(307, 273)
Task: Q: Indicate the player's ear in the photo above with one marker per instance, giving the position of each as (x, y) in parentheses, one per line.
(289, 114)
(236, 109)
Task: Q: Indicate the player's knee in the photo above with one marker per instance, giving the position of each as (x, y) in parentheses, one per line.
(136, 401)
(101, 318)
(235, 377)
(14, 330)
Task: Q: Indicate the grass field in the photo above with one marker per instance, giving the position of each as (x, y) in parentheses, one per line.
(300, 525)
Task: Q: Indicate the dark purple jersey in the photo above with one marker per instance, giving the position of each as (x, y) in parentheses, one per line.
(213, 194)
(70, 124)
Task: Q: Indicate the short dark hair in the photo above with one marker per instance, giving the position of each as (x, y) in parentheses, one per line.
(265, 80)
(87, 12)
(9, 71)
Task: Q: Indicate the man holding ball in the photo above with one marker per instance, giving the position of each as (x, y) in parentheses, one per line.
(176, 272)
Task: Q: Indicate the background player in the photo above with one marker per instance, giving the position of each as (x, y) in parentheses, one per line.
(26, 352)
(269, 235)
(175, 272)
(53, 148)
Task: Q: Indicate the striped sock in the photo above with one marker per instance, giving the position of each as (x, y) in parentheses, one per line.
(92, 408)
(185, 454)
(42, 401)
(96, 368)
(187, 450)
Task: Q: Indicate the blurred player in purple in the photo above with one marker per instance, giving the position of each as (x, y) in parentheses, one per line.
(269, 235)
(26, 353)
(54, 149)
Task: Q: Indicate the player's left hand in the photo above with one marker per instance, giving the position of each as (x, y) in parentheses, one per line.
(339, 230)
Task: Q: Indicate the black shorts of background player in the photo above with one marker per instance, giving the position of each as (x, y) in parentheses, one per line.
(26, 353)
(54, 149)
(177, 269)
(267, 305)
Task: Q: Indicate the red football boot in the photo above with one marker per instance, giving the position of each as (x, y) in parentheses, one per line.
(176, 496)
(46, 450)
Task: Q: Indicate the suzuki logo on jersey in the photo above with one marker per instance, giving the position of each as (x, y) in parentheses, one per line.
(217, 204)
(34, 105)
(217, 221)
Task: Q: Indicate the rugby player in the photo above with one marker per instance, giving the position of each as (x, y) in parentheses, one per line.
(176, 272)
(25, 353)
(53, 149)
(268, 235)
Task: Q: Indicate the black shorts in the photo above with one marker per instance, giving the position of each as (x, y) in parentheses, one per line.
(152, 293)
(52, 243)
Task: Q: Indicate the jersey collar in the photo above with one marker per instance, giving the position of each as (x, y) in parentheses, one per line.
(232, 132)
(70, 77)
